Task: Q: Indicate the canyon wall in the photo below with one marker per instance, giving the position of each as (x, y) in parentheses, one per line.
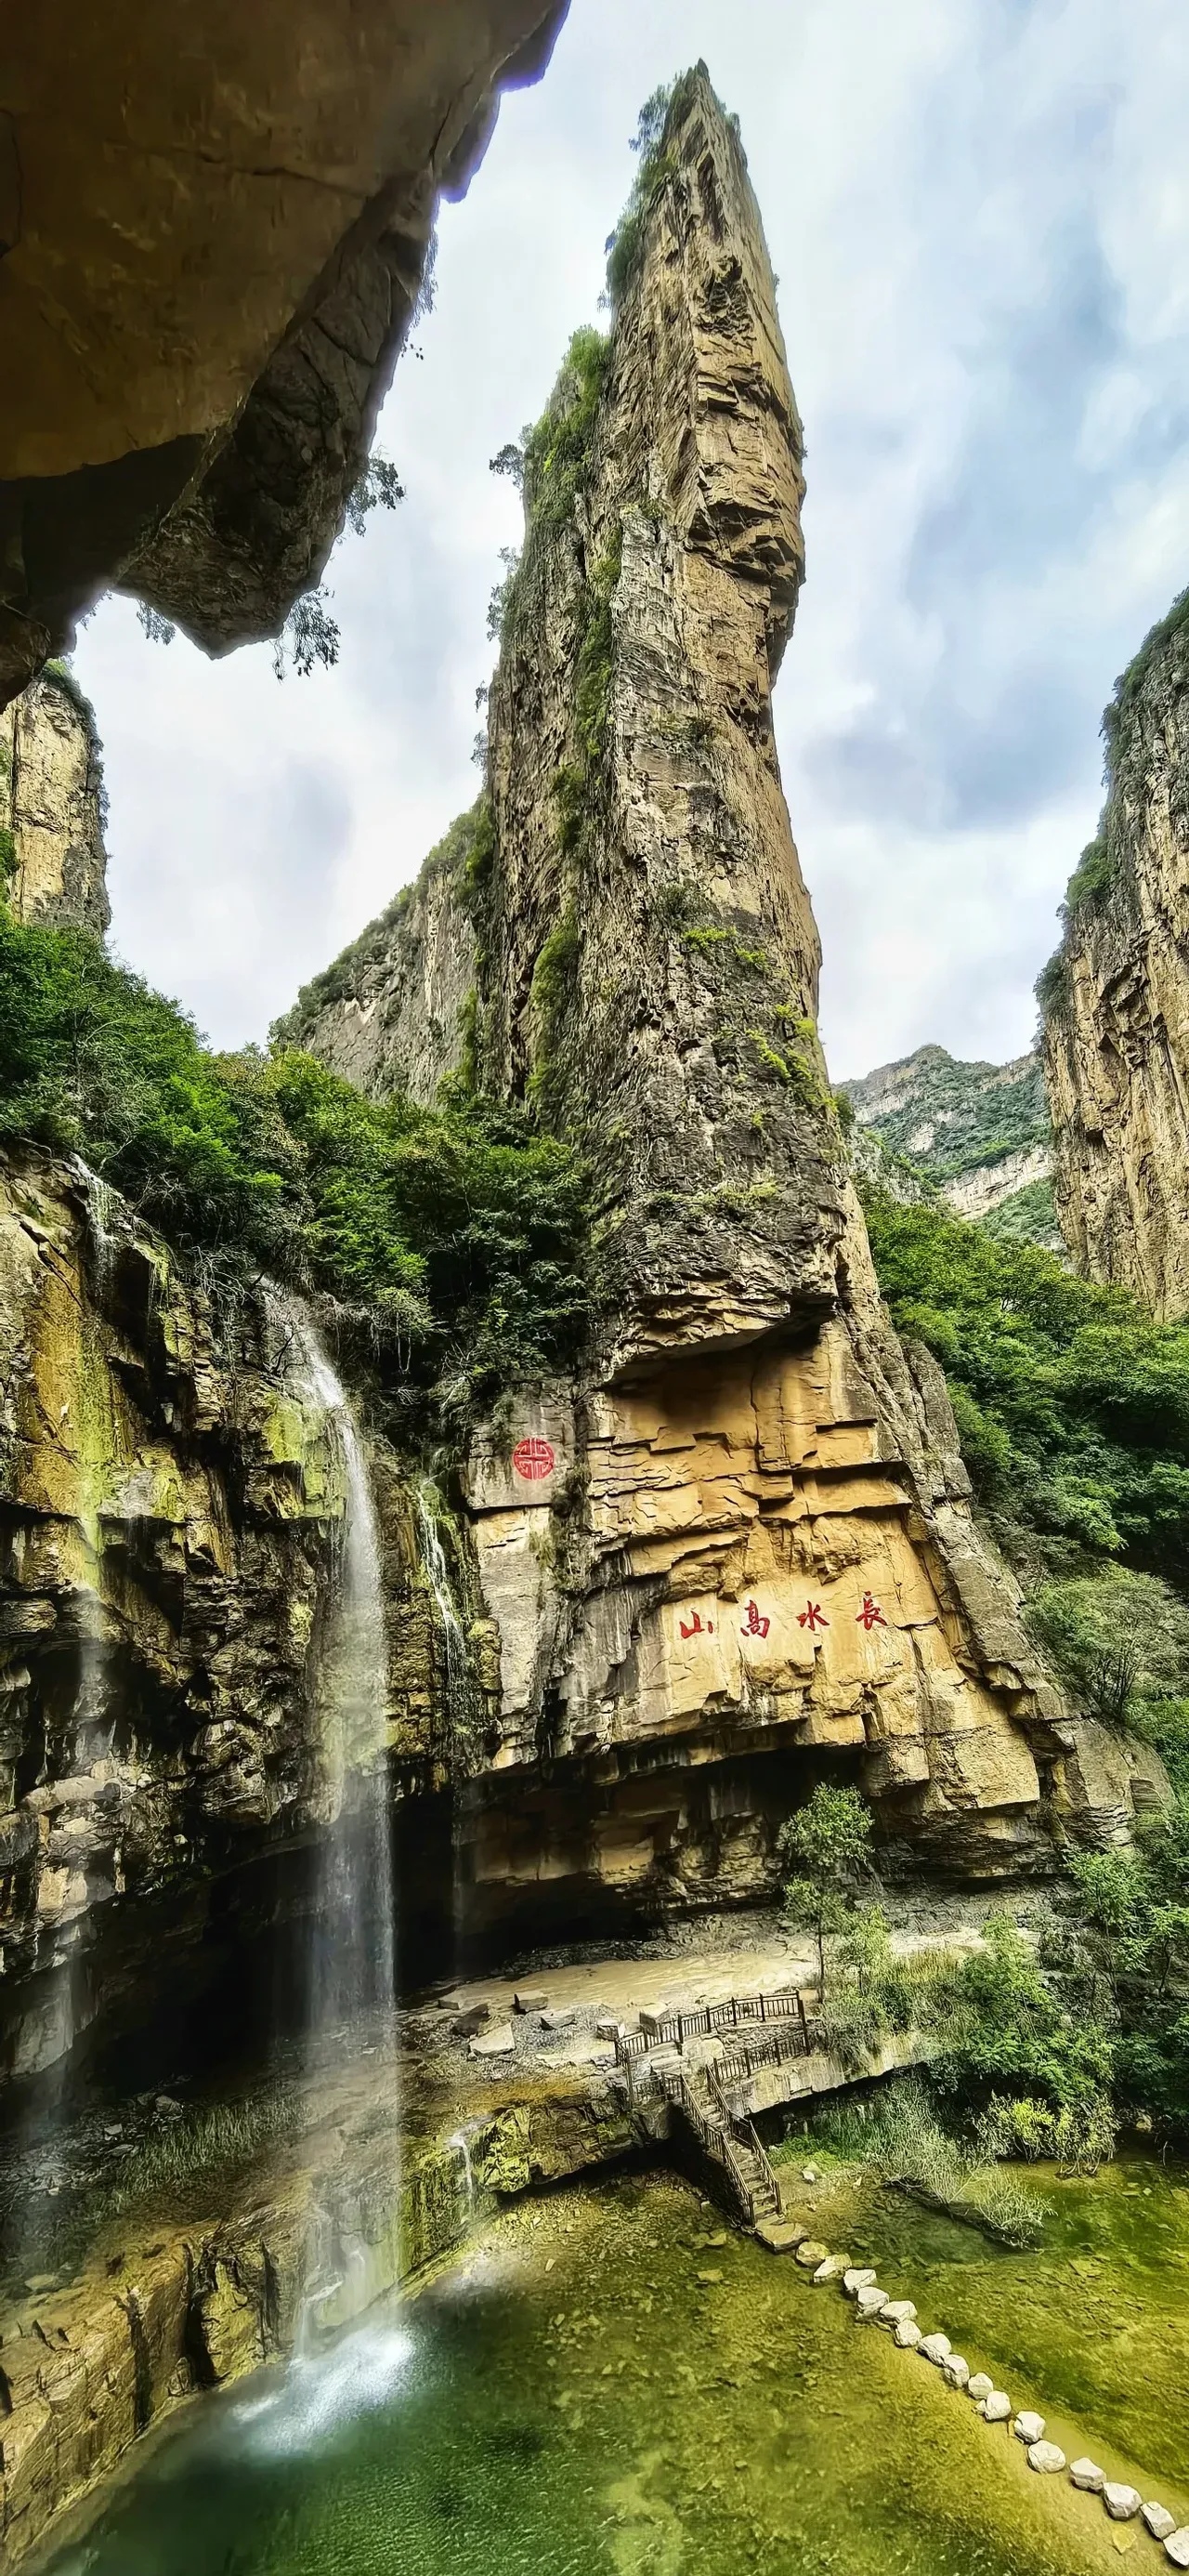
(1115, 998)
(51, 808)
(214, 229)
(171, 1507)
(740, 1549)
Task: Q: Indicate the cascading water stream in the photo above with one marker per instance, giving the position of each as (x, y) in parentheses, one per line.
(433, 1557)
(351, 1992)
(352, 1965)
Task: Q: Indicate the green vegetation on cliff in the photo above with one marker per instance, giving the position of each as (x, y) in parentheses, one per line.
(451, 1242)
(1072, 1405)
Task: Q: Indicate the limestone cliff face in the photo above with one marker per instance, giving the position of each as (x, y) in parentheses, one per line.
(391, 1014)
(1116, 1001)
(978, 1134)
(171, 1508)
(51, 808)
(213, 232)
(741, 1547)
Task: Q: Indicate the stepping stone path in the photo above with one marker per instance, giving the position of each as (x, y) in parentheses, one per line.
(872, 2305)
(1046, 2457)
(780, 2235)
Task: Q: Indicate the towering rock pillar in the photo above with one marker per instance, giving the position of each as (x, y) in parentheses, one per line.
(746, 1541)
(1116, 997)
(650, 956)
(740, 1547)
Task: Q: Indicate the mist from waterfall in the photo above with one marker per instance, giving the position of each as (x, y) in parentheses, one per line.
(352, 1946)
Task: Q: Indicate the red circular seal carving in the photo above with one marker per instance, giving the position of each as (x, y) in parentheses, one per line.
(533, 1459)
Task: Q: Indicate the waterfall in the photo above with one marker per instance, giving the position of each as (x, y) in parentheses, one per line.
(352, 1968)
(433, 1557)
(101, 1204)
(461, 2144)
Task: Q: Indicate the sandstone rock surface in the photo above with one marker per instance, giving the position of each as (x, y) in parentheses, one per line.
(171, 1501)
(1116, 1003)
(746, 1535)
(51, 808)
(215, 225)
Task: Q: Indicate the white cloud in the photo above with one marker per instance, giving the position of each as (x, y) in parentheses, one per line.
(979, 218)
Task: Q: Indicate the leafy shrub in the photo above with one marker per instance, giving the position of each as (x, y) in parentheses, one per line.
(900, 2137)
(1003, 2029)
(1072, 1405)
(454, 1237)
(624, 245)
(1114, 1637)
(557, 448)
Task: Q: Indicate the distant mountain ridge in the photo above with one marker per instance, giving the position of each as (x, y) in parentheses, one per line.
(977, 1134)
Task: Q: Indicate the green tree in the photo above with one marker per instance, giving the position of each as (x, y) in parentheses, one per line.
(828, 1840)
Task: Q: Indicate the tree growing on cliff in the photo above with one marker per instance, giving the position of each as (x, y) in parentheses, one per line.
(828, 1841)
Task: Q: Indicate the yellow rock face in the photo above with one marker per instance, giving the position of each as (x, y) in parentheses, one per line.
(50, 802)
(1116, 1032)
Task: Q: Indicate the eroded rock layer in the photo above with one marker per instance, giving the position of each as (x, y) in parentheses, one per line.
(171, 1507)
(51, 808)
(741, 1547)
(1116, 1000)
(213, 233)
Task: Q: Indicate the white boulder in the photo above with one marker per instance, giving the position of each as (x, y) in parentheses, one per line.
(1122, 2503)
(996, 2408)
(894, 2311)
(1046, 2457)
(935, 2348)
(908, 2335)
(955, 2371)
(979, 2387)
(1176, 2546)
(1029, 2428)
(871, 2301)
(1087, 2474)
(1158, 2520)
(856, 2278)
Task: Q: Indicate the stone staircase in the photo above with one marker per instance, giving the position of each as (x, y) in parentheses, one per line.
(724, 2137)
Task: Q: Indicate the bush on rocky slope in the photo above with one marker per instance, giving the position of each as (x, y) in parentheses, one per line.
(453, 1239)
(1072, 1405)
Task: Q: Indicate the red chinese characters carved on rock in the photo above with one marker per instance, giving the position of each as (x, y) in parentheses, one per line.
(870, 1616)
(812, 1617)
(695, 1628)
(754, 1623)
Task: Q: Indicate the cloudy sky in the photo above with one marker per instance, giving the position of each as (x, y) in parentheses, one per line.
(979, 216)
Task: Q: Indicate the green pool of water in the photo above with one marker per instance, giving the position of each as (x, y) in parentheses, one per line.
(599, 2391)
(1095, 2325)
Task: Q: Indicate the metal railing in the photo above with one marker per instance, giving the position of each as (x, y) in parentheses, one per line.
(671, 2030)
